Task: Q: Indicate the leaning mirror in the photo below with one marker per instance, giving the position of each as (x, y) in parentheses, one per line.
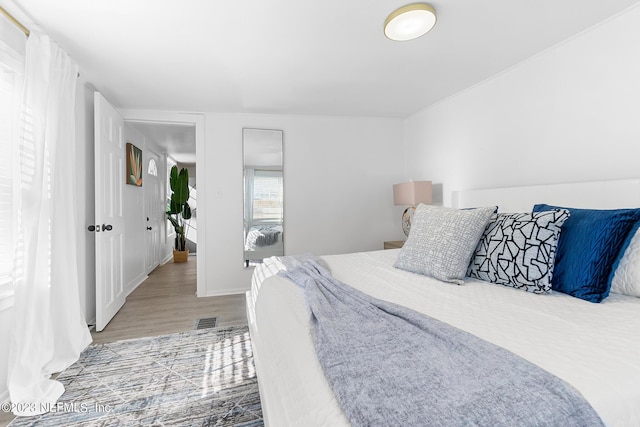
(263, 195)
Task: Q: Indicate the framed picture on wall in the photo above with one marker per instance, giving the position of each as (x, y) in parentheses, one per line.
(134, 165)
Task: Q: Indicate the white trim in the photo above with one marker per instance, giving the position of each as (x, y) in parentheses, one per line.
(167, 259)
(228, 291)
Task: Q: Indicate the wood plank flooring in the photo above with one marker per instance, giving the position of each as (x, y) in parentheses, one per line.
(166, 303)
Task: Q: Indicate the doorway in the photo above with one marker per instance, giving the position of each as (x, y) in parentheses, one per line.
(130, 247)
(175, 138)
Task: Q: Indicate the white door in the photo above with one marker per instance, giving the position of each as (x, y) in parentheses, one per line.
(109, 183)
(153, 205)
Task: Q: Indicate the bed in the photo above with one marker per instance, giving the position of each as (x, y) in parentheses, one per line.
(595, 348)
(263, 241)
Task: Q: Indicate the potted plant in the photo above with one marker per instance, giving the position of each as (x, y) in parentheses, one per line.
(179, 211)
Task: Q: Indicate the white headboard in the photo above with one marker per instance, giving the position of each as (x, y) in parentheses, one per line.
(593, 195)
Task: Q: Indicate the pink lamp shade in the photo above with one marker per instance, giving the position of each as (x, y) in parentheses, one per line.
(412, 193)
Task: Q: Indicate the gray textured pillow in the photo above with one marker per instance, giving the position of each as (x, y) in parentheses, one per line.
(442, 241)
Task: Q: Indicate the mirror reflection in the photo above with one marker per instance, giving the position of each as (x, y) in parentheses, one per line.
(263, 195)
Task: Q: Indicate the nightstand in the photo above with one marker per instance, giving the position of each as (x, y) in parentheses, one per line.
(394, 244)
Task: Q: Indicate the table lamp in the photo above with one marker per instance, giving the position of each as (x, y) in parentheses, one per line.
(411, 194)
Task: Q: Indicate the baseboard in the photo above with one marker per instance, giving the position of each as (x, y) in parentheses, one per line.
(224, 292)
(131, 286)
(4, 396)
(169, 258)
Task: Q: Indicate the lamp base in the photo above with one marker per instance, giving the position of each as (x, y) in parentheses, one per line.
(407, 218)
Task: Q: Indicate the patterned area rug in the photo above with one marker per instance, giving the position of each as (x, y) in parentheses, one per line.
(203, 377)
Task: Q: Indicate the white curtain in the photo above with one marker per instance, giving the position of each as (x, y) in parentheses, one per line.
(50, 330)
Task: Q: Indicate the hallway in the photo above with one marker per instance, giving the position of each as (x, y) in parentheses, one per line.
(166, 303)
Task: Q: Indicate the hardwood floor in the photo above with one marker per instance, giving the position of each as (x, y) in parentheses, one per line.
(166, 303)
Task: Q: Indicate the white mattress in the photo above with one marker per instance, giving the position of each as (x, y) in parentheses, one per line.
(594, 347)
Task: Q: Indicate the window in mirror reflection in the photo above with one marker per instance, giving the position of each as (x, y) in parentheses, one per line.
(263, 195)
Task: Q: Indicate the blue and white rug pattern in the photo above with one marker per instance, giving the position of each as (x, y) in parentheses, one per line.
(203, 377)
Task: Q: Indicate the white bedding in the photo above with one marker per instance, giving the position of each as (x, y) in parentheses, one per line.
(594, 347)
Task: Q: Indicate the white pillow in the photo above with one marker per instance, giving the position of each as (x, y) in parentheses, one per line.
(626, 279)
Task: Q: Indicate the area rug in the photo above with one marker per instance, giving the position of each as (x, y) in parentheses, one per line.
(197, 378)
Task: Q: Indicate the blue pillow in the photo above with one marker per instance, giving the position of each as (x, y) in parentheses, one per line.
(591, 244)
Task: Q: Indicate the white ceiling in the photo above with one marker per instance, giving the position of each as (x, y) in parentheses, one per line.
(179, 141)
(325, 57)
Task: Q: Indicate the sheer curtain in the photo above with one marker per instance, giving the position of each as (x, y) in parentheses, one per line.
(49, 331)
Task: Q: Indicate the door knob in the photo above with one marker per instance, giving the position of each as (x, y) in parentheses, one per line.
(107, 227)
(149, 228)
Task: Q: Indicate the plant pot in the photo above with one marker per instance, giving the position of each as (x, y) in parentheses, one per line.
(181, 256)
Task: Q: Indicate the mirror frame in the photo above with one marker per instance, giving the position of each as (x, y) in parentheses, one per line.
(252, 262)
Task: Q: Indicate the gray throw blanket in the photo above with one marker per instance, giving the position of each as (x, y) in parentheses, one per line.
(391, 366)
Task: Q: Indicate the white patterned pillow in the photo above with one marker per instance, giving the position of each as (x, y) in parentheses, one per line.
(519, 250)
(442, 241)
(626, 279)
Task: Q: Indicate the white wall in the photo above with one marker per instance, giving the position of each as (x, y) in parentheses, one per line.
(134, 222)
(338, 177)
(569, 114)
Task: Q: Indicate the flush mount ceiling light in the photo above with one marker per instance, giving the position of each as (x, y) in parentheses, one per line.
(410, 22)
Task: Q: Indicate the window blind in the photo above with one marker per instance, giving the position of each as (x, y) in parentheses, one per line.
(267, 196)
(12, 45)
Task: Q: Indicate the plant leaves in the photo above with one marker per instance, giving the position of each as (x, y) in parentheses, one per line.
(186, 211)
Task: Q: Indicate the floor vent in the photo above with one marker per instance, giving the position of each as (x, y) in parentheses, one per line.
(209, 322)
